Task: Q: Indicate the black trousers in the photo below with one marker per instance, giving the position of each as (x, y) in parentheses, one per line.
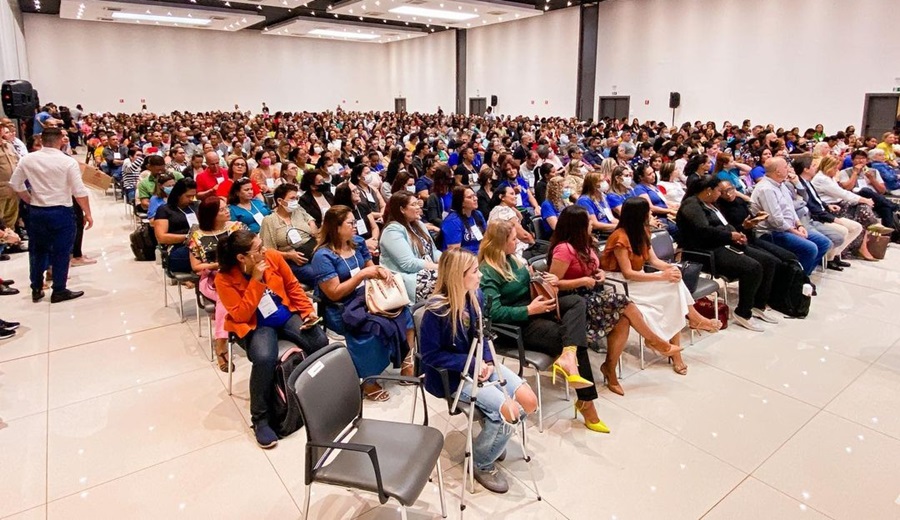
(754, 271)
(79, 229)
(545, 334)
(884, 208)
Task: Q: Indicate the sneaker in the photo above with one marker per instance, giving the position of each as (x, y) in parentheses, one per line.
(13, 325)
(265, 436)
(6, 333)
(492, 480)
(743, 322)
(766, 317)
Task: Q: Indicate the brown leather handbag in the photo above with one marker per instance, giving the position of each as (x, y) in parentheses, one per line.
(877, 244)
(540, 286)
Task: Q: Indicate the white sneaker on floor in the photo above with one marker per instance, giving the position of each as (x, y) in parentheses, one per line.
(746, 324)
(766, 317)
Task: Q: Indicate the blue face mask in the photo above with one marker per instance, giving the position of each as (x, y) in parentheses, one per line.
(566, 193)
(167, 189)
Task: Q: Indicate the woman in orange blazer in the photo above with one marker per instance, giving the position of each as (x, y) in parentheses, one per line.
(264, 303)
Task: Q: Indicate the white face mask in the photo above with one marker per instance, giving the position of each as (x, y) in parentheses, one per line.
(317, 149)
(373, 180)
(627, 181)
(411, 189)
(604, 186)
(292, 205)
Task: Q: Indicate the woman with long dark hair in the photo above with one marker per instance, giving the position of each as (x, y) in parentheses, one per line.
(406, 246)
(244, 207)
(573, 259)
(173, 222)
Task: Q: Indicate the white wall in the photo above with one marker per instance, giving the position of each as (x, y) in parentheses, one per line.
(423, 70)
(13, 60)
(530, 64)
(97, 64)
(788, 62)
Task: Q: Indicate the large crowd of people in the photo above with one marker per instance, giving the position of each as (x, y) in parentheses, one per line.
(271, 210)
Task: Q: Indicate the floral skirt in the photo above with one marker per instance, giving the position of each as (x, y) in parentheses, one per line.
(604, 310)
(860, 213)
(425, 282)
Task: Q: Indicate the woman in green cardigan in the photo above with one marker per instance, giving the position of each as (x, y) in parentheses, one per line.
(506, 284)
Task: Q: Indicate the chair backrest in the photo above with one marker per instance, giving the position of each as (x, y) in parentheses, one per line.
(539, 230)
(540, 265)
(328, 391)
(662, 245)
(537, 258)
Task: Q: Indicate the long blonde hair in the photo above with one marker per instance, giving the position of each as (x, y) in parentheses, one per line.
(828, 162)
(492, 250)
(450, 296)
(607, 167)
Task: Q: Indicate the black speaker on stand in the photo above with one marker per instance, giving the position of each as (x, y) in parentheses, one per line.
(493, 101)
(674, 102)
(18, 99)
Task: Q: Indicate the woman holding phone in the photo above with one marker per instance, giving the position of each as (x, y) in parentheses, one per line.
(265, 303)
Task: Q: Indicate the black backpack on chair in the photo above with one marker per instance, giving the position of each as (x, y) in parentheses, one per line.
(143, 243)
(285, 417)
(787, 290)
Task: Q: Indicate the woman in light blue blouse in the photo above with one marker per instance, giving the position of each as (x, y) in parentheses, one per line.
(244, 208)
(406, 246)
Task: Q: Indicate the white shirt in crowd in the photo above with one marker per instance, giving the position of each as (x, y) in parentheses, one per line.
(831, 192)
(54, 177)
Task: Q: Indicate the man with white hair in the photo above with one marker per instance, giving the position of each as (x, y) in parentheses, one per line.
(782, 226)
(887, 173)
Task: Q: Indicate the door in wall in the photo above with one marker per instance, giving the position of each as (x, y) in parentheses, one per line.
(880, 114)
(400, 105)
(614, 106)
(477, 106)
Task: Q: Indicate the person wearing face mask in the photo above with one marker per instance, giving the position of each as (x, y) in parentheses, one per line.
(621, 187)
(348, 195)
(264, 303)
(594, 201)
(647, 189)
(173, 223)
(291, 231)
(317, 197)
(163, 188)
(265, 174)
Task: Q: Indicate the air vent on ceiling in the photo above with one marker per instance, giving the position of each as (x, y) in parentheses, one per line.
(375, 15)
(105, 20)
(496, 13)
(217, 18)
(415, 2)
(389, 35)
(112, 9)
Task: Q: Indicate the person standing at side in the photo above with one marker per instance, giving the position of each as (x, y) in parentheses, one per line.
(55, 179)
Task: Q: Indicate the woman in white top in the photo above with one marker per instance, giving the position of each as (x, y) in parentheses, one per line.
(674, 190)
(504, 202)
(851, 205)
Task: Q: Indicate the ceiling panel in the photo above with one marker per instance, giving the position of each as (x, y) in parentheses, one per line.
(158, 14)
(447, 14)
(350, 30)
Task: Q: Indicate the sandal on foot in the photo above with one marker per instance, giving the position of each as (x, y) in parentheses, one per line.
(378, 395)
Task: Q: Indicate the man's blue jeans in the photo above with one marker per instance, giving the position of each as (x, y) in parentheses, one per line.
(51, 235)
(809, 251)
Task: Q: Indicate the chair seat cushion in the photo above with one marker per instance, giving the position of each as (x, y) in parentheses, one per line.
(407, 453)
(185, 277)
(538, 360)
(705, 287)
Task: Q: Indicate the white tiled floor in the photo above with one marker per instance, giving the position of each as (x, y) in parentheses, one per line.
(109, 409)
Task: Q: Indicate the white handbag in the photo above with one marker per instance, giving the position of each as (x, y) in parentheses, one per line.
(386, 298)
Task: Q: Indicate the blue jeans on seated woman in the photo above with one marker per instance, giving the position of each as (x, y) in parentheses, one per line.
(495, 432)
(180, 259)
(262, 350)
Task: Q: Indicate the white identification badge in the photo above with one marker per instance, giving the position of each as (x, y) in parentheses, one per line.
(192, 219)
(608, 213)
(267, 305)
(117, 156)
(258, 217)
(219, 180)
(293, 236)
(476, 232)
(473, 178)
(518, 199)
(270, 183)
(354, 271)
(361, 227)
(369, 196)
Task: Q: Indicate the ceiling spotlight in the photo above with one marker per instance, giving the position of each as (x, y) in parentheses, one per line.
(81, 6)
(335, 16)
(360, 18)
(259, 7)
(312, 13)
(546, 8)
(227, 4)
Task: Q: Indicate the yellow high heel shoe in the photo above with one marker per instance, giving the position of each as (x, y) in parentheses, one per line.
(598, 426)
(574, 380)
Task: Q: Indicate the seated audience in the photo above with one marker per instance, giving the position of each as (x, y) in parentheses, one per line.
(449, 325)
(292, 232)
(173, 223)
(669, 185)
(212, 226)
(524, 195)
(505, 208)
(164, 185)
(407, 248)
(348, 195)
(264, 303)
(244, 207)
(506, 283)
(464, 226)
(594, 201)
(342, 264)
(573, 260)
(486, 188)
(620, 187)
(661, 209)
(558, 195)
(849, 205)
(661, 296)
(317, 197)
(155, 166)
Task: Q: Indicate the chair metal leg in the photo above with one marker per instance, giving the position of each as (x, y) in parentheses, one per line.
(619, 364)
(212, 340)
(199, 325)
(537, 377)
(641, 349)
(231, 372)
(440, 473)
(306, 502)
(165, 291)
(403, 512)
(180, 303)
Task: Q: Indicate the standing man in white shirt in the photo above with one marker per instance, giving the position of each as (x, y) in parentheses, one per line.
(55, 179)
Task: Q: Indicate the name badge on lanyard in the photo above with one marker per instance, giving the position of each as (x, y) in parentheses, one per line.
(191, 218)
(267, 305)
(476, 232)
(258, 216)
(353, 270)
(369, 196)
(361, 227)
(518, 199)
(607, 212)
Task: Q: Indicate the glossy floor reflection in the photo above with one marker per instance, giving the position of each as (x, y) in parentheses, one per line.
(110, 409)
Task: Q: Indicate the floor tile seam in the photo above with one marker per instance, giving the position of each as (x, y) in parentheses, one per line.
(27, 509)
(867, 427)
(117, 336)
(792, 498)
(848, 282)
(725, 496)
(139, 470)
(783, 444)
(120, 390)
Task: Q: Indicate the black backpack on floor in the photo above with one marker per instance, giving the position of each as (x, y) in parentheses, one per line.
(285, 417)
(143, 243)
(787, 290)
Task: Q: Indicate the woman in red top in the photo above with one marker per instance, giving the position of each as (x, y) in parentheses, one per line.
(574, 261)
(265, 303)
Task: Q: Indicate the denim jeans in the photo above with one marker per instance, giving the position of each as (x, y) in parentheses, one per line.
(809, 251)
(262, 350)
(495, 433)
(51, 234)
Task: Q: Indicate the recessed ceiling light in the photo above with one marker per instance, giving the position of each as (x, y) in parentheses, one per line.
(342, 34)
(157, 18)
(432, 13)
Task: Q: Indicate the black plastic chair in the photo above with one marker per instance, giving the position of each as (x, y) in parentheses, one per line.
(390, 459)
